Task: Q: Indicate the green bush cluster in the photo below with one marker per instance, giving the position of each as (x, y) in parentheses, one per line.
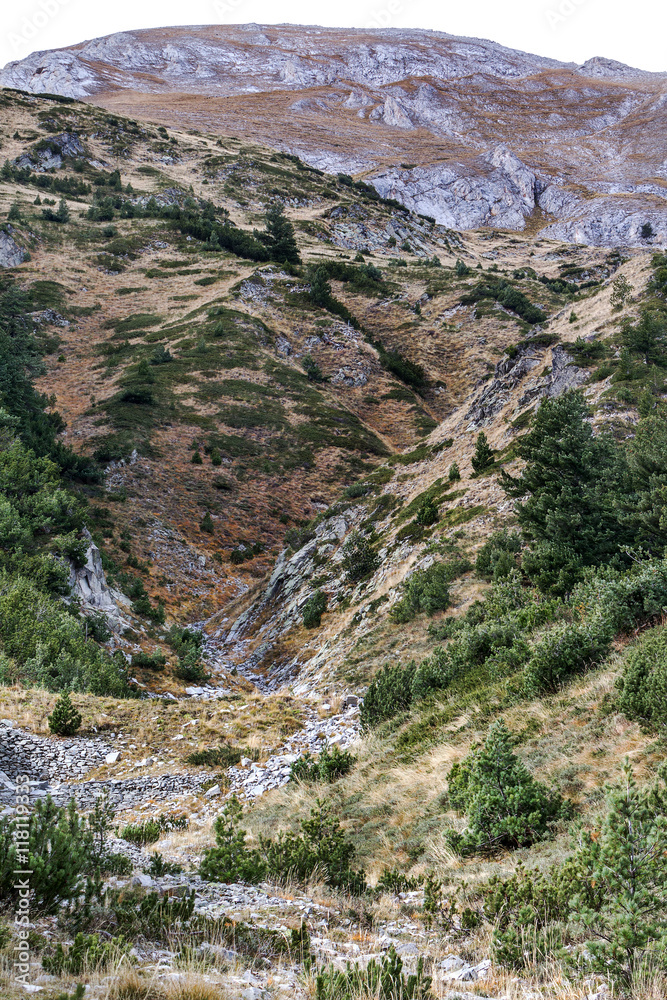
(426, 591)
(66, 854)
(329, 766)
(359, 558)
(313, 609)
(504, 805)
(606, 905)
(642, 685)
(497, 557)
(320, 848)
(503, 292)
(152, 829)
(87, 953)
(380, 980)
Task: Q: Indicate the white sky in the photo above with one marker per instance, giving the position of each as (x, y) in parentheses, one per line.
(571, 30)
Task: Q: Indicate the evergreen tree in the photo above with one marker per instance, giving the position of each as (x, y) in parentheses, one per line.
(627, 861)
(573, 480)
(320, 287)
(280, 235)
(207, 523)
(483, 458)
(645, 508)
(504, 804)
(64, 720)
(648, 337)
(454, 473)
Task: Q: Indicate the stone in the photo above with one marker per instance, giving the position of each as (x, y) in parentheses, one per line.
(112, 757)
(215, 790)
(11, 254)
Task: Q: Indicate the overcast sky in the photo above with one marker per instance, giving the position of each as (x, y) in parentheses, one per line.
(571, 30)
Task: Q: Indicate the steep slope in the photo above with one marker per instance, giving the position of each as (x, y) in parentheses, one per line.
(464, 130)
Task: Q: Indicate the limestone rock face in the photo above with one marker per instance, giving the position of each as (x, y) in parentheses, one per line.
(497, 135)
(11, 254)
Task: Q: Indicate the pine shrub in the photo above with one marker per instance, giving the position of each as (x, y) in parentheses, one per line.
(643, 683)
(483, 458)
(359, 558)
(389, 693)
(64, 720)
(313, 609)
(504, 805)
(329, 766)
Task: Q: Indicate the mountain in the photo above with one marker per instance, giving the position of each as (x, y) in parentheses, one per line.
(464, 130)
(332, 534)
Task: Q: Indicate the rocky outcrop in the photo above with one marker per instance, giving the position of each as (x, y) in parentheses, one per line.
(49, 153)
(501, 133)
(495, 189)
(11, 254)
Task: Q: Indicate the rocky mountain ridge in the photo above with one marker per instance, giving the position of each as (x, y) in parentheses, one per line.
(493, 137)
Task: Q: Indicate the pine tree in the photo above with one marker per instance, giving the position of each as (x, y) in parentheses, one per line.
(454, 473)
(627, 860)
(320, 288)
(64, 720)
(504, 804)
(280, 235)
(483, 458)
(207, 523)
(62, 212)
(573, 481)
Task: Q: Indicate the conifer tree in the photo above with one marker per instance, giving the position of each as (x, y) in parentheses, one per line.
(627, 860)
(64, 720)
(280, 235)
(483, 458)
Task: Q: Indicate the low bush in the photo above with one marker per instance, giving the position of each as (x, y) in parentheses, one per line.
(157, 866)
(503, 803)
(427, 590)
(330, 765)
(313, 609)
(565, 650)
(496, 558)
(389, 693)
(65, 853)
(320, 849)
(86, 954)
(643, 683)
(152, 829)
(222, 756)
(359, 558)
(382, 980)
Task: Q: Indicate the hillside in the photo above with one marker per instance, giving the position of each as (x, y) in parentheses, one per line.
(461, 129)
(278, 493)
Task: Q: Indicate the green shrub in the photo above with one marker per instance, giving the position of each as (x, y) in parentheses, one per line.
(483, 458)
(643, 683)
(383, 980)
(152, 829)
(157, 866)
(320, 848)
(313, 609)
(566, 650)
(495, 559)
(149, 661)
(64, 720)
(65, 853)
(504, 805)
(454, 475)
(86, 954)
(222, 756)
(359, 558)
(427, 590)
(207, 523)
(230, 860)
(329, 766)
(389, 693)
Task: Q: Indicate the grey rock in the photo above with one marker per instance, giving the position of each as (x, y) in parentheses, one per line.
(11, 254)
